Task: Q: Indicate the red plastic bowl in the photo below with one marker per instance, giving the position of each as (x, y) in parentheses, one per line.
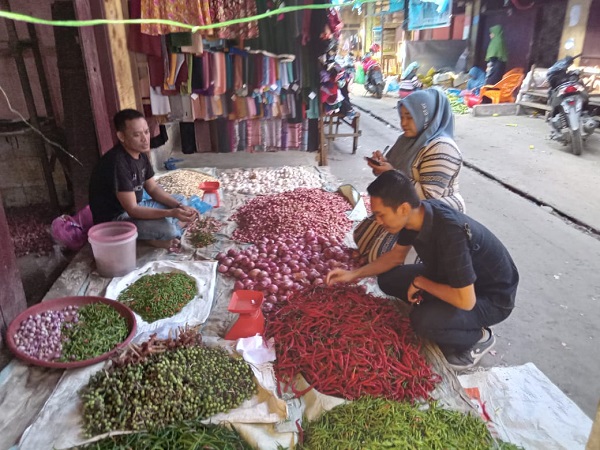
(58, 304)
(245, 301)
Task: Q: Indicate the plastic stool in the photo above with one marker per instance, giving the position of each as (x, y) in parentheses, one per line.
(251, 320)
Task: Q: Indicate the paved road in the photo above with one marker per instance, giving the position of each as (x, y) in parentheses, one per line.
(500, 147)
(555, 322)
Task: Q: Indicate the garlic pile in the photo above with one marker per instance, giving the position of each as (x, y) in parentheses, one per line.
(269, 181)
(185, 182)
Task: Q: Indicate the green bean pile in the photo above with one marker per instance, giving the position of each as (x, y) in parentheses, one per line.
(190, 383)
(160, 295)
(184, 436)
(375, 423)
(96, 329)
(457, 104)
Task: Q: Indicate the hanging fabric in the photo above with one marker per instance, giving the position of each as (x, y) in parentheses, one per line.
(224, 10)
(192, 12)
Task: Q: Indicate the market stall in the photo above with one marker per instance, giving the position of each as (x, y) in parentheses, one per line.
(290, 391)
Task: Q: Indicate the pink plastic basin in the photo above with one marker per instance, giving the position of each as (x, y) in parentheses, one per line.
(113, 244)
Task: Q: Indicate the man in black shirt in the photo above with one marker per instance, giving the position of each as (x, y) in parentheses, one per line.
(466, 280)
(119, 179)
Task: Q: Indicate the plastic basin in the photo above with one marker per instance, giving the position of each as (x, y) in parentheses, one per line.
(113, 245)
(58, 304)
(245, 302)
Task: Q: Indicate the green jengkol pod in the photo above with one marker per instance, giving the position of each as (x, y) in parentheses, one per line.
(185, 384)
(376, 423)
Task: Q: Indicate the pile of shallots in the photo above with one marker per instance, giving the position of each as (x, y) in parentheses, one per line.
(277, 267)
(291, 214)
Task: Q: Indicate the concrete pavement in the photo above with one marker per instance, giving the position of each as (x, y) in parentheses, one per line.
(501, 147)
(554, 324)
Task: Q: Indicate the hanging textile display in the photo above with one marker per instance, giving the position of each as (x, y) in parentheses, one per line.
(244, 87)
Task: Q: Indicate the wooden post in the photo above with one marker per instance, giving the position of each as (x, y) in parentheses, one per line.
(102, 120)
(121, 58)
(12, 295)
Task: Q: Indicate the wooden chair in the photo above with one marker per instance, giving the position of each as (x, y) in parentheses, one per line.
(503, 90)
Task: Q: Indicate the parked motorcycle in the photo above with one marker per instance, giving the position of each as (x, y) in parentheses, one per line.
(568, 99)
(374, 82)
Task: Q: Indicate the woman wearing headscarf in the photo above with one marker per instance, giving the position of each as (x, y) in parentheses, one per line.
(476, 80)
(426, 151)
(496, 55)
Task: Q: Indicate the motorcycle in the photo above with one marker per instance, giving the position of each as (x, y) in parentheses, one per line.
(568, 99)
(374, 82)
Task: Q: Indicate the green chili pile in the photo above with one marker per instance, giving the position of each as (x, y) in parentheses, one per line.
(184, 435)
(160, 295)
(95, 329)
(162, 382)
(201, 232)
(376, 423)
(348, 344)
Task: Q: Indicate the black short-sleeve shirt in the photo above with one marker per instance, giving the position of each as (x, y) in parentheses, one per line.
(459, 251)
(117, 171)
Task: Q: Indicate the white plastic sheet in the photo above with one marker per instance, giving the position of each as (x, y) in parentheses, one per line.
(195, 312)
(527, 409)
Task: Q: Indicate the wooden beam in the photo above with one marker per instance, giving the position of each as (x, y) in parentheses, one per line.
(102, 119)
(121, 57)
(12, 295)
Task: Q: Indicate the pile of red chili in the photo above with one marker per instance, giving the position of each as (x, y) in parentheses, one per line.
(348, 343)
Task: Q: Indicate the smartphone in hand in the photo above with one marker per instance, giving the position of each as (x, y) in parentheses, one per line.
(373, 161)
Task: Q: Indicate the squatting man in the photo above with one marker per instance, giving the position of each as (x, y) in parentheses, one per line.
(465, 281)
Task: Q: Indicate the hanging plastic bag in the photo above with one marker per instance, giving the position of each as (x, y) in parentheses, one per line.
(71, 231)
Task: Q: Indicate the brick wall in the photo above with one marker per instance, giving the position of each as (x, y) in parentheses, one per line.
(21, 176)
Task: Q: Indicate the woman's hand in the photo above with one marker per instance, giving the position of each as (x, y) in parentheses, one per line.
(379, 169)
(383, 166)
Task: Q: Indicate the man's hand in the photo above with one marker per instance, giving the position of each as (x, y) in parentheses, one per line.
(340, 276)
(414, 294)
(184, 214)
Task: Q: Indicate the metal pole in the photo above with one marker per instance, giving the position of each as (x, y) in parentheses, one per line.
(15, 47)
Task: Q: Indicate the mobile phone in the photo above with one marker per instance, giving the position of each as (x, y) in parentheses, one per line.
(373, 161)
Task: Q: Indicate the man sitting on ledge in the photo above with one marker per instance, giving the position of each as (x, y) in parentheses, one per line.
(119, 179)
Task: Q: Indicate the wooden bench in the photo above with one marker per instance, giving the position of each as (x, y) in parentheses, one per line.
(534, 92)
(330, 125)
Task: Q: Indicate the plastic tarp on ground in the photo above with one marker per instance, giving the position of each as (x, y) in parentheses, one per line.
(527, 409)
(443, 55)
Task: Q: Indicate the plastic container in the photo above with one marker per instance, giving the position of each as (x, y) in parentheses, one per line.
(56, 305)
(251, 320)
(113, 244)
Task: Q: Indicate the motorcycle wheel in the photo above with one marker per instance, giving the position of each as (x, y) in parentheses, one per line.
(576, 142)
(379, 91)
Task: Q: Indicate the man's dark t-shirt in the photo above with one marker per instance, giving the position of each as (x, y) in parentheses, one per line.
(116, 172)
(458, 251)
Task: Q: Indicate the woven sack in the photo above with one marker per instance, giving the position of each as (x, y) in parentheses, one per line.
(372, 239)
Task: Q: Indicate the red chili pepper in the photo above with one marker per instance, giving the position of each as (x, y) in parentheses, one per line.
(364, 347)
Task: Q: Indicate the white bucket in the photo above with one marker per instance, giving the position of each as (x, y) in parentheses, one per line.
(114, 248)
